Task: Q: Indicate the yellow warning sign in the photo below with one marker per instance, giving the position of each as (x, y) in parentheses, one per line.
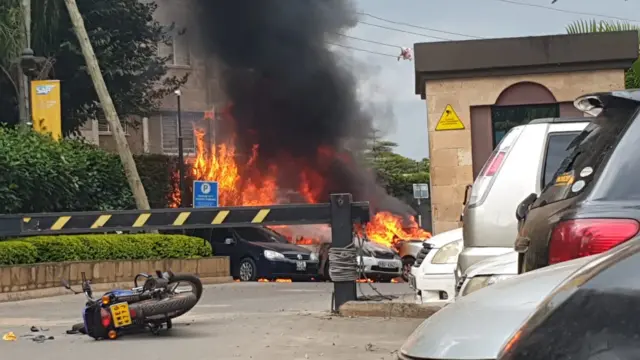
(449, 120)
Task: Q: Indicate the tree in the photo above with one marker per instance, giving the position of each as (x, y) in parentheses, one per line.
(125, 38)
(108, 107)
(396, 172)
(632, 75)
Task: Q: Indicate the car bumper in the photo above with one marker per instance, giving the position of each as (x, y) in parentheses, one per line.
(381, 268)
(437, 285)
(287, 269)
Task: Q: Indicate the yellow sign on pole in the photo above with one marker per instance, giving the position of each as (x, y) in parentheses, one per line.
(449, 120)
(45, 107)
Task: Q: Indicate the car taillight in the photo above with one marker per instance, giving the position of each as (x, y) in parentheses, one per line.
(484, 180)
(495, 164)
(105, 318)
(574, 239)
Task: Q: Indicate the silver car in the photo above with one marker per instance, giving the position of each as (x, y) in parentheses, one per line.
(478, 325)
(523, 162)
(487, 272)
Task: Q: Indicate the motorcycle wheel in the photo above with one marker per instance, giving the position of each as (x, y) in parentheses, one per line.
(165, 309)
(188, 278)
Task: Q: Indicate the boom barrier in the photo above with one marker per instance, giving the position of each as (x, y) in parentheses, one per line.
(341, 213)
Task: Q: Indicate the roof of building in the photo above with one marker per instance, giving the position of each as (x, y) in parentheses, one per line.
(523, 55)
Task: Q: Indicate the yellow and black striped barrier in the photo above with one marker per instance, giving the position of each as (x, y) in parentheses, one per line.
(163, 219)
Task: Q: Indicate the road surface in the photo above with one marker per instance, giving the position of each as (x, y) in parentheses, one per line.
(261, 321)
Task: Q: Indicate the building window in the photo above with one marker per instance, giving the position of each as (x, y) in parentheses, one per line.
(105, 129)
(503, 118)
(177, 49)
(169, 124)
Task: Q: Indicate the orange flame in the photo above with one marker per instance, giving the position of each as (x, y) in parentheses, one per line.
(243, 184)
(387, 229)
(279, 280)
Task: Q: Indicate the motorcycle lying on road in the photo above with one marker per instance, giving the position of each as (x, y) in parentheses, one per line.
(150, 306)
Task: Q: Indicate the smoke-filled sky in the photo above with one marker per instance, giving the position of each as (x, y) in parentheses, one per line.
(391, 82)
(290, 93)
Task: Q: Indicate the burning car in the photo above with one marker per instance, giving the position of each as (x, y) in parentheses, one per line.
(378, 262)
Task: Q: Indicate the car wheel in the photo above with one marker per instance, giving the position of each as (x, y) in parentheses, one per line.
(247, 270)
(407, 263)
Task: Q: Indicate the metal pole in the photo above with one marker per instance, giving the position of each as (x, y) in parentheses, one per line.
(181, 170)
(342, 236)
(24, 84)
(419, 213)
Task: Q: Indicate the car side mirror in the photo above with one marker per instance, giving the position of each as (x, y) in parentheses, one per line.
(523, 208)
(229, 241)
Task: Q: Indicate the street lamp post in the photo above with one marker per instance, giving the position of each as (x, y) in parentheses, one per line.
(181, 170)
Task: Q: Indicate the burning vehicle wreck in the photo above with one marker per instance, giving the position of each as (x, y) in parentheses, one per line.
(378, 262)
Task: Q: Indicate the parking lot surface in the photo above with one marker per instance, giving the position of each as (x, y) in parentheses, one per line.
(232, 321)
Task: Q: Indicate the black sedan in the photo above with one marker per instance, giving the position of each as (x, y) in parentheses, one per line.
(259, 253)
(591, 316)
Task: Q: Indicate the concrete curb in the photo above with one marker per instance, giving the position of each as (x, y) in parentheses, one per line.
(388, 309)
(58, 291)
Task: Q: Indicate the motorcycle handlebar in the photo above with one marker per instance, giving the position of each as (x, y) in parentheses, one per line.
(86, 287)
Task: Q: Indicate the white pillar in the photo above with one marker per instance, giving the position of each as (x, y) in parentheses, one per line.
(145, 134)
(95, 132)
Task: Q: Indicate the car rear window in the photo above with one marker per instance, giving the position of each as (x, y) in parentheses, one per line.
(255, 234)
(557, 150)
(619, 181)
(588, 152)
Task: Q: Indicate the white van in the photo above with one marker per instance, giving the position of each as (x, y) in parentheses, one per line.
(523, 162)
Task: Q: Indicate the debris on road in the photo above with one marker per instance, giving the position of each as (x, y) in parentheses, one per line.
(10, 336)
(42, 338)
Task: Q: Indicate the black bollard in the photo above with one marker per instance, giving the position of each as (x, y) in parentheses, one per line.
(342, 236)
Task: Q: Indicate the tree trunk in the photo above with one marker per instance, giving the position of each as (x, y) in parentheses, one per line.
(107, 106)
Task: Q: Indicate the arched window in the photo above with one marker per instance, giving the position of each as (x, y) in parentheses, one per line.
(520, 103)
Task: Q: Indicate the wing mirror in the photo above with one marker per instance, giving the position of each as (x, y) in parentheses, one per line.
(229, 241)
(523, 208)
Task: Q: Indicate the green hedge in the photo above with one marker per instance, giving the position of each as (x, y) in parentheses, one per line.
(40, 174)
(43, 175)
(40, 249)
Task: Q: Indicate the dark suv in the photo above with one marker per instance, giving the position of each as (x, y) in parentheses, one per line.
(594, 202)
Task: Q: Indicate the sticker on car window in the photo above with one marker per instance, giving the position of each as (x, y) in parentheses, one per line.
(564, 179)
(586, 171)
(579, 185)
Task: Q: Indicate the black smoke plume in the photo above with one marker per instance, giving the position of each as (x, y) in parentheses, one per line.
(289, 92)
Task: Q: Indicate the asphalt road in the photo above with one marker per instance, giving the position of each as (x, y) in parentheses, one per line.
(260, 321)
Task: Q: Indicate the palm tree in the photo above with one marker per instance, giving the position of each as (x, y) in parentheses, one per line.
(632, 75)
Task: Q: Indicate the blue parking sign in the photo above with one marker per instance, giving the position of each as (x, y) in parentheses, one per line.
(205, 194)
